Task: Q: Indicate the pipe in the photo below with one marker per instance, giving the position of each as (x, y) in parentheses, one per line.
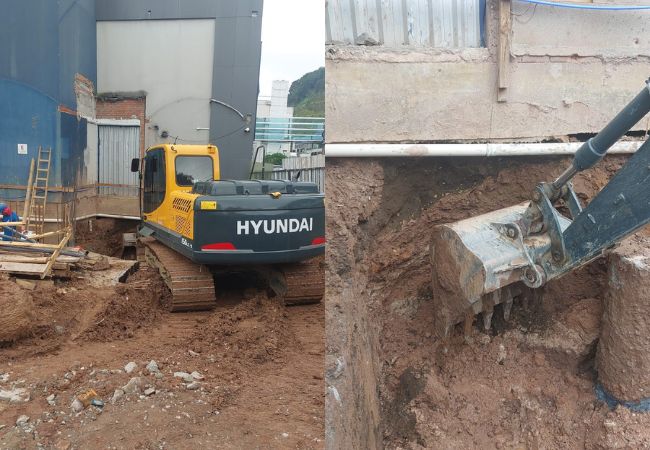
(485, 149)
(590, 7)
(90, 216)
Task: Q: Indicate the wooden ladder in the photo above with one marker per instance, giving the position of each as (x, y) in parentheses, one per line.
(39, 190)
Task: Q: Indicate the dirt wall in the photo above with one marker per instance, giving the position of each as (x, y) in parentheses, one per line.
(623, 352)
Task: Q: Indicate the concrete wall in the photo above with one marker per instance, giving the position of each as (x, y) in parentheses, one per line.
(171, 60)
(564, 79)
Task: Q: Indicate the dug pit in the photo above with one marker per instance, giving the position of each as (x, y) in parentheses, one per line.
(528, 382)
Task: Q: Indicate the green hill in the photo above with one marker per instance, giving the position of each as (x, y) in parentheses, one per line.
(307, 94)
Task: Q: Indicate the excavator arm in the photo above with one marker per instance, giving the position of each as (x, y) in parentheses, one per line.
(618, 210)
(475, 261)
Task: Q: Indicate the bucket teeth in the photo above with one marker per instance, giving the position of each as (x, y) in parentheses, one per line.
(467, 325)
(507, 307)
(487, 319)
(488, 308)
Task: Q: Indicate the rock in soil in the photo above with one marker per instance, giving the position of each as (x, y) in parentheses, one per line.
(197, 376)
(76, 405)
(117, 396)
(152, 367)
(130, 367)
(16, 395)
(133, 386)
(22, 420)
(186, 377)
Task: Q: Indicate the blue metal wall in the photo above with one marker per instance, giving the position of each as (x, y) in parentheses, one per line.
(43, 45)
(27, 116)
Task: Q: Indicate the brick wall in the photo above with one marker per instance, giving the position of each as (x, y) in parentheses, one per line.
(126, 108)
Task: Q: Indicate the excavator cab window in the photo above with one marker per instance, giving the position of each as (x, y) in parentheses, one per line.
(190, 169)
(154, 180)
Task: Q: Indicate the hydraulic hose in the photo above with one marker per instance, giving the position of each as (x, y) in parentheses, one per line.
(595, 148)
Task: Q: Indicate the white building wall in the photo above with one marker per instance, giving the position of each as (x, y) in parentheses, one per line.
(275, 107)
(279, 97)
(171, 60)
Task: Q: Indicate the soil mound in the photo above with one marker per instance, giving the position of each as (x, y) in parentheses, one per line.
(17, 312)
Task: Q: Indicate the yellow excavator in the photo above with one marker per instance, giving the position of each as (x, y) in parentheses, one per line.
(195, 225)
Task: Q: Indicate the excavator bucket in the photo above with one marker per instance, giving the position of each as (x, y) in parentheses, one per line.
(478, 263)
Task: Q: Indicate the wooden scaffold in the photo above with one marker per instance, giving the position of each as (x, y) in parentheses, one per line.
(24, 253)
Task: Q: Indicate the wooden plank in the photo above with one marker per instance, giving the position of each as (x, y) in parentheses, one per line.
(27, 245)
(22, 268)
(63, 259)
(504, 49)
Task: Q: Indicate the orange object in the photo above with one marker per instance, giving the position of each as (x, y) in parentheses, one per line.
(87, 397)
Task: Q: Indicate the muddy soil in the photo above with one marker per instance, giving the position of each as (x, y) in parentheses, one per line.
(527, 383)
(260, 366)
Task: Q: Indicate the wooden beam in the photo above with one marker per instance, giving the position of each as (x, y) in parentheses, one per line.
(62, 259)
(503, 57)
(56, 253)
(50, 233)
(28, 195)
(27, 244)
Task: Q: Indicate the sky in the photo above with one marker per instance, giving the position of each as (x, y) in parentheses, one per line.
(293, 40)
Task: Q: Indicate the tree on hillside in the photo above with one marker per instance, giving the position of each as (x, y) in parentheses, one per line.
(307, 94)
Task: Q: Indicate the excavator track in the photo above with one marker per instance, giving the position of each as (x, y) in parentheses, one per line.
(301, 283)
(191, 284)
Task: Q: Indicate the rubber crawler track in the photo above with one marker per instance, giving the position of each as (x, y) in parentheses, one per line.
(191, 284)
(305, 282)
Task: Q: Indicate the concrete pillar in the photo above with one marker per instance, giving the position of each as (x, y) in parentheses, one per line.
(623, 358)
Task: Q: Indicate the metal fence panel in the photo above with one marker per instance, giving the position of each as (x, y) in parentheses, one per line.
(117, 146)
(396, 23)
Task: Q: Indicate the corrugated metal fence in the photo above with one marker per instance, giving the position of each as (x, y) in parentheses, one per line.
(396, 23)
(117, 146)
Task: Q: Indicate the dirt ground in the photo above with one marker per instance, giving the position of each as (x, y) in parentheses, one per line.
(527, 383)
(259, 382)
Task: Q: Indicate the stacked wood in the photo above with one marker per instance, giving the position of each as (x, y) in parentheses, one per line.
(18, 263)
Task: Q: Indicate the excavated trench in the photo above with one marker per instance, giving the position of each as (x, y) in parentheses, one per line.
(527, 382)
